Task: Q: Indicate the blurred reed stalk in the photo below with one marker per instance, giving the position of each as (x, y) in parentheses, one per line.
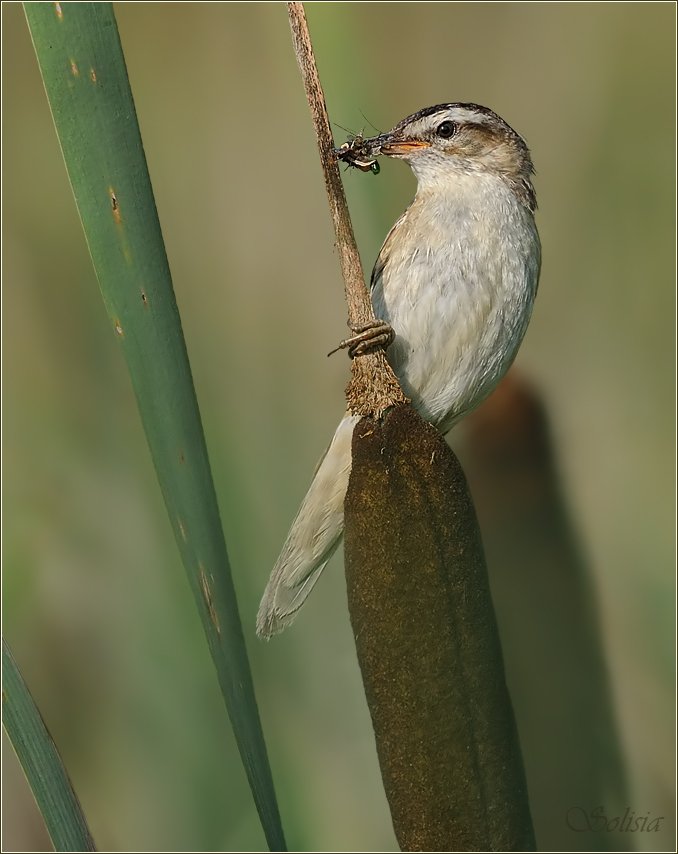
(83, 70)
(39, 757)
(418, 593)
(544, 588)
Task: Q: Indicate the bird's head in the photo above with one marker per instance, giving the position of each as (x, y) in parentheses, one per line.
(447, 140)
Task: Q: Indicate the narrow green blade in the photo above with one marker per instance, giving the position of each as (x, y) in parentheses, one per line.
(41, 762)
(83, 69)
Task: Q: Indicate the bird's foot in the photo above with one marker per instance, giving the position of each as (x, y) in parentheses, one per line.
(371, 336)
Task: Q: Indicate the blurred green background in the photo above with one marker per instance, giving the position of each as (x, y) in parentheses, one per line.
(102, 622)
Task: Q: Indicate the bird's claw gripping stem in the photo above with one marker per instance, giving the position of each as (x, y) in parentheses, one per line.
(368, 337)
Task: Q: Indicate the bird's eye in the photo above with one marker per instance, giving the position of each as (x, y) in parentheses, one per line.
(446, 129)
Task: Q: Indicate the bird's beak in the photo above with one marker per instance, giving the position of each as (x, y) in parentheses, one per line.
(403, 147)
(392, 145)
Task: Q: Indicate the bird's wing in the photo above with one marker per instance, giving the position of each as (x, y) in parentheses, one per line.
(313, 537)
(384, 252)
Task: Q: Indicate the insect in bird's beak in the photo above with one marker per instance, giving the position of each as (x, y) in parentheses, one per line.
(361, 152)
(353, 154)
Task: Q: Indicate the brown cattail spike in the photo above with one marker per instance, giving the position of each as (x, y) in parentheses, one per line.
(428, 644)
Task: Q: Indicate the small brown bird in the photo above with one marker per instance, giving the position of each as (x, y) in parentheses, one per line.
(456, 278)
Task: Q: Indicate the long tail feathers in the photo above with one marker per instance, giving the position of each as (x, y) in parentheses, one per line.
(313, 537)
